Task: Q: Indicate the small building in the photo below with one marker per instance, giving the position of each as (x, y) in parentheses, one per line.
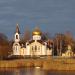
(68, 52)
(34, 47)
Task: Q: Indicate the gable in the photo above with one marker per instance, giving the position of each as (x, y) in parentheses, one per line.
(36, 43)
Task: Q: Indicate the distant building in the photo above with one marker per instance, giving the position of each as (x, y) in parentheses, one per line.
(34, 47)
(68, 52)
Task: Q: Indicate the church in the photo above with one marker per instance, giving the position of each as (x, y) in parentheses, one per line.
(34, 47)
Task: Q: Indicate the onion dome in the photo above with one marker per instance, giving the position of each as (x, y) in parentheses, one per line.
(36, 31)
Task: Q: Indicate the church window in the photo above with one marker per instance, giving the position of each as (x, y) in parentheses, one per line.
(38, 48)
(16, 47)
(16, 36)
(35, 48)
(32, 48)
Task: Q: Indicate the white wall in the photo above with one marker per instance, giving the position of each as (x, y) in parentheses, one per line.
(36, 37)
(27, 51)
(16, 49)
(44, 51)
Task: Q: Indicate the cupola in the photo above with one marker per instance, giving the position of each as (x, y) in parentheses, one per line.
(36, 34)
(36, 31)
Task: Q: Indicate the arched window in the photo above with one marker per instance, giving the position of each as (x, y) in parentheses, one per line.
(16, 46)
(35, 48)
(32, 48)
(16, 36)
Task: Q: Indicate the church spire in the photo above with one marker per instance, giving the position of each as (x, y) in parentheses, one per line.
(17, 34)
(17, 29)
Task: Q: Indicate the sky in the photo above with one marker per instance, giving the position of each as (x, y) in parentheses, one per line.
(53, 16)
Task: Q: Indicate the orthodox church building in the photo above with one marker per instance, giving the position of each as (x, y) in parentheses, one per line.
(69, 52)
(34, 47)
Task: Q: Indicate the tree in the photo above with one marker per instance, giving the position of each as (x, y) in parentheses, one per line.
(68, 40)
(27, 35)
(4, 45)
(58, 44)
(45, 36)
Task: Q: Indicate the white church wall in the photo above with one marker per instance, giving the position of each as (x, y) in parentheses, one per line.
(16, 50)
(27, 50)
(49, 51)
(38, 50)
(36, 37)
(44, 50)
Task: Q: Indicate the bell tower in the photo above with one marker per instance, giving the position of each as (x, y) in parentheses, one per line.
(17, 34)
(16, 44)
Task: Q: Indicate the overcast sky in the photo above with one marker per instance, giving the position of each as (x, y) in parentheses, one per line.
(50, 15)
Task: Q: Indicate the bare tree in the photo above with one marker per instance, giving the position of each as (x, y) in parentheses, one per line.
(45, 36)
(58, 43)
(26, 36)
